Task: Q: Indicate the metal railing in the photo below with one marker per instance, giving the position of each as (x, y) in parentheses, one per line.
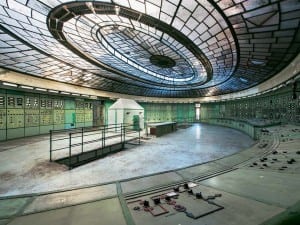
(191, 119)
(66, 143)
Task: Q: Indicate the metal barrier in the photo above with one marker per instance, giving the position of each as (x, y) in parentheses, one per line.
(77, 146)
(179, 120)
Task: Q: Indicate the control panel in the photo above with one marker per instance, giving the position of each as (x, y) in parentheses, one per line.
(46, 111)
(32, 111)
(2, 112)
(88, 111)
(15, 111)
(79, 110)
(58, 112)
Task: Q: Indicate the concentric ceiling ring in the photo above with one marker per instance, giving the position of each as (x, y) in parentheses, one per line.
(136, 47)
(244, 42)
(64, 21)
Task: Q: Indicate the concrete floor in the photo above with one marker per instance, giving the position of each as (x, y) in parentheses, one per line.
(250, 192)
(26, 168)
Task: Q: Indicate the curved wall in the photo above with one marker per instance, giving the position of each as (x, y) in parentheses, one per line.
(289, 74)
(280, 106)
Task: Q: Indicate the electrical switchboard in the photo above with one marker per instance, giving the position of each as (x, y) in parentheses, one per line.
(2, 112)
(80, 116)
(32, 102)
(282, 105)
(88, 112)
(58, 104)
(155, 112)
(15, 102)
(15, 111)
(32, 112)
(46, 117)
(2, 102)
(58, 112)
(79, 104)
(43, 103)
(46, 111)
(15, 118)
(2, 118)
(59, 116)
(32, 117)
(79, 111)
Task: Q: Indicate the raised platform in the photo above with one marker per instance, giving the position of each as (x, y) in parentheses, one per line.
(80, 146)
(86, 157)
(160, 129)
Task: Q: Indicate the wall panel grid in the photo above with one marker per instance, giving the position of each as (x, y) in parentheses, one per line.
(282, 105)
(26, 114)
(179, 112)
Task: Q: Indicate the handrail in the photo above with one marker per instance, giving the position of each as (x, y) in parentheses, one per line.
(80, 140)
(79, 128)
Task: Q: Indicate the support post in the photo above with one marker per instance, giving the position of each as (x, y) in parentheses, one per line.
(124, 133)
(146, 129)
(50, 145)
(122, 138)
(103, 137)
(121, 132)
(70, 149)
(81, 139)
(139, 135)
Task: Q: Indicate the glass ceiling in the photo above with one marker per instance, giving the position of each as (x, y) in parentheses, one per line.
(202, 48)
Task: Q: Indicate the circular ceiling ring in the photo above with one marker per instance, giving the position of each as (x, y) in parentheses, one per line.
(61, 14)
(133, 57)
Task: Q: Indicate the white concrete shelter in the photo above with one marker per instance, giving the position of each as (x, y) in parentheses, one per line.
(124, 110)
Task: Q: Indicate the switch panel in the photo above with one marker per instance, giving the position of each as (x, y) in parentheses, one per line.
(32, 117)
(15, 118)
(46, 117)
(2, 118)
(79, 110)
(58, 116)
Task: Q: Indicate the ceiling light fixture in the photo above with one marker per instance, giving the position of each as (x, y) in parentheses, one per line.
(26, 87)
(9, 84)
(53, 91)
(40, 89)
